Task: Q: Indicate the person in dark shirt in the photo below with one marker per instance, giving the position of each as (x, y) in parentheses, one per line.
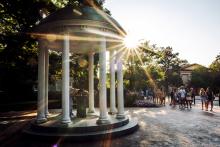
(172, 97)
(210, 98)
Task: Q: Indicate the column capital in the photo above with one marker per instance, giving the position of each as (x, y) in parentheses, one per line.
(42, 43)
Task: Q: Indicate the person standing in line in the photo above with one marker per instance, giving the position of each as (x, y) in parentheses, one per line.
(147, 94)
(178, 96)
(203, 95)
(190, 98)
(175, 100)
(193, 95)
(210, 98)
(172, 97)
(163, 100)
(161, 96)
(182, 97)
(150, 95)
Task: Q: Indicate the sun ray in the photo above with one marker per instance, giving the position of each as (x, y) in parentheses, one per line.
(120, 52)
(115, 46)
(146, 72)
(148, 49)
(116, 54)
(75, 38)
(131, 42)
(123, 53)
(128, 54)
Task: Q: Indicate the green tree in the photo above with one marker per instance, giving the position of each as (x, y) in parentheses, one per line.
(201, 77)
(215, 66)
(137, 74)
(18, 51)
(152, 66)
(171, 64)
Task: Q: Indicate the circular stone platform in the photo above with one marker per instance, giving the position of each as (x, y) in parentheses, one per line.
(82, 128)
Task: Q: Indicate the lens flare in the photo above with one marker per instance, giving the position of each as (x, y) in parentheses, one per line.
(131, 42)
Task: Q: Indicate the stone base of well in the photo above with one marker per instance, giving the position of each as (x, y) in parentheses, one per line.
(82, 129)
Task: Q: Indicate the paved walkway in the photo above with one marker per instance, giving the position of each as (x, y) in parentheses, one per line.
(163, 126)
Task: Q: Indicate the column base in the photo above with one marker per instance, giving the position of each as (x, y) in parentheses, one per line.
(120, 116)
(47, 114)
(91, 111)
(41, 120)
(113, 111)
(66, 121)
(101, 121)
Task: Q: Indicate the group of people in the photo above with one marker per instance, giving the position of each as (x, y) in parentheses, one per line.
(185, 97)
(155, 95)
(207, 97)
(182, 96)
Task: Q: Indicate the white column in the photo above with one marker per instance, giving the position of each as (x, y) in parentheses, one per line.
(120, 89)
(103, 118)
(46, 81)
(91, 83)
(112, 83)
(41, 118)
(65, 81)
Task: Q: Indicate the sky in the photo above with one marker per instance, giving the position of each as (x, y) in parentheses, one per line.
(190, 27)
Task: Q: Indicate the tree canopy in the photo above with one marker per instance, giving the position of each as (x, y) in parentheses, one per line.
(147, 66)
(18, 51)
(215, 66)
(151, 66)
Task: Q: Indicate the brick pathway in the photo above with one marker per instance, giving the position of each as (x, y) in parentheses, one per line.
(164, 126)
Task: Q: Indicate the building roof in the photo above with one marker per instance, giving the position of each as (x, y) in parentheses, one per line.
(191, 67)
(86, 26)
(70, 15)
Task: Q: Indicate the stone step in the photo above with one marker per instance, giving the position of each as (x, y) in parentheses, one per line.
(130, 127)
